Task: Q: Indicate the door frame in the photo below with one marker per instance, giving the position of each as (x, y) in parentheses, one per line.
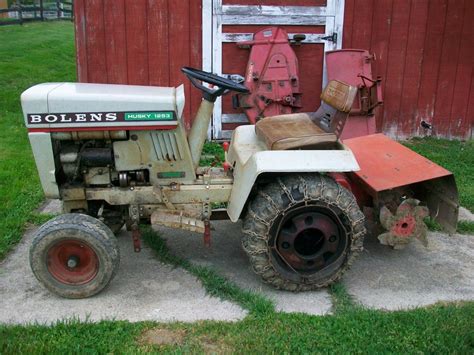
(215, 15)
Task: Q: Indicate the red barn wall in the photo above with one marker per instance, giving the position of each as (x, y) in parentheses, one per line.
(424, 49)
(139, 42)
(425, 52)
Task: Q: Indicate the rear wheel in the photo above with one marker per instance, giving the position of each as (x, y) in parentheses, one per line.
(74, 255)
(302, 232)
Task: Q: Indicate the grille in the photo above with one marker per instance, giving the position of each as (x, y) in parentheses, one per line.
(166, 146)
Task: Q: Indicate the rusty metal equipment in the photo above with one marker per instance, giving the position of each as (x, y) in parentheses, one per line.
(393, 180)
(272, 76)
(395, 187)
(355, 67)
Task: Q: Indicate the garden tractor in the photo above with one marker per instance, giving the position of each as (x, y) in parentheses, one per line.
(118, 154)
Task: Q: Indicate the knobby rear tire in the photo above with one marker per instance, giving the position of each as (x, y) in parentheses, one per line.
(275, 200)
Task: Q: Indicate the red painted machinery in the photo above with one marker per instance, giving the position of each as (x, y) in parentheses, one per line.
(396, 187)
(272, 76)
(354, 66)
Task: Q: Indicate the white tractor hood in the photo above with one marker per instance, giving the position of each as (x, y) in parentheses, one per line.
(76, 105)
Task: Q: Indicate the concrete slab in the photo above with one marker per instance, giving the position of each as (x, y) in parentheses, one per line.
(465, 215)
(51, 207)
(383, 278)
(144, 289)
(228, 258)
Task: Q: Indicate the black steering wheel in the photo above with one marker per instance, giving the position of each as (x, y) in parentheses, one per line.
(223, 84)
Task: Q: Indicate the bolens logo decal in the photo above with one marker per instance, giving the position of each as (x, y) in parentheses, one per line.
(97, 117)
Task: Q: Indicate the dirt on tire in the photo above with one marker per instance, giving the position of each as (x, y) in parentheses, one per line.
(279, 197)
(85, 231)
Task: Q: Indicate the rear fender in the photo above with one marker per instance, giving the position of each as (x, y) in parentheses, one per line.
(280, 163)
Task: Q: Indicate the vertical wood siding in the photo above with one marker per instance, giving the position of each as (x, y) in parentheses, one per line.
(425, 55)
(424, 50)
(139, 42)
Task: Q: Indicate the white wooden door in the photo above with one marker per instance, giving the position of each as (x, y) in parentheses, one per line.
(216, 15)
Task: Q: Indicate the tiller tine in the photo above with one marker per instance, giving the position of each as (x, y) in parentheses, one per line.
(391, 173)
(407, 223)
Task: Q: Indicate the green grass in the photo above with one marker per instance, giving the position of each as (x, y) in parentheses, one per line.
(212, 154)
(432, 224)
(29, 54)
(456, 156)
(466, 227)
(36, 53)
(440, 329)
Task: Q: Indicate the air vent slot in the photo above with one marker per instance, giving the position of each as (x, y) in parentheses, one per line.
(166, 146)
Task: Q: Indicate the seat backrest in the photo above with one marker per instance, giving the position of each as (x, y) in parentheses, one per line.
(337, 99)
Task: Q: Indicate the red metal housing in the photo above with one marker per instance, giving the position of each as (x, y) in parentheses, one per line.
(271, 76)
(354, 67)
(389, 170)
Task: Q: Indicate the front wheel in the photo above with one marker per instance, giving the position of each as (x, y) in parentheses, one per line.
(302, 232)
(74, 255)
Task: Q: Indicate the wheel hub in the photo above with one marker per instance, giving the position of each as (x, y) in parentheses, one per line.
(309, 239)
(72, 262)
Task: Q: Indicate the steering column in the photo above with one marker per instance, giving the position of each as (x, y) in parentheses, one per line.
(197, 135)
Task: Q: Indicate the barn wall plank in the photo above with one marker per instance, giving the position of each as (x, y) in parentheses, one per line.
(460, 123)
(349, 8)
(362, 30)
(179, 49)
(95, 34)
(158, 42)
(137, 42)
(80, 24)
(395, 66)
(431, 60)
(195, 30)
(381, 26)
(413, 63)
(115, 41)
(470, 109)
(448, 66)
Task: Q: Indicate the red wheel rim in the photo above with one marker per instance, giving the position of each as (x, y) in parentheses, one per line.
(310, 239)
(72, 262)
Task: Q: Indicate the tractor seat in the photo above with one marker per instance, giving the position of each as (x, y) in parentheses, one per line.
(292, 131)
(319, 130)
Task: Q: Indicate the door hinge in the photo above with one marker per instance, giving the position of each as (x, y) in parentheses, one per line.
(331, 38)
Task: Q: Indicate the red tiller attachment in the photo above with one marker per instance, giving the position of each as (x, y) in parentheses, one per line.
(403, 225)
(272, 76)
(395, 179)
